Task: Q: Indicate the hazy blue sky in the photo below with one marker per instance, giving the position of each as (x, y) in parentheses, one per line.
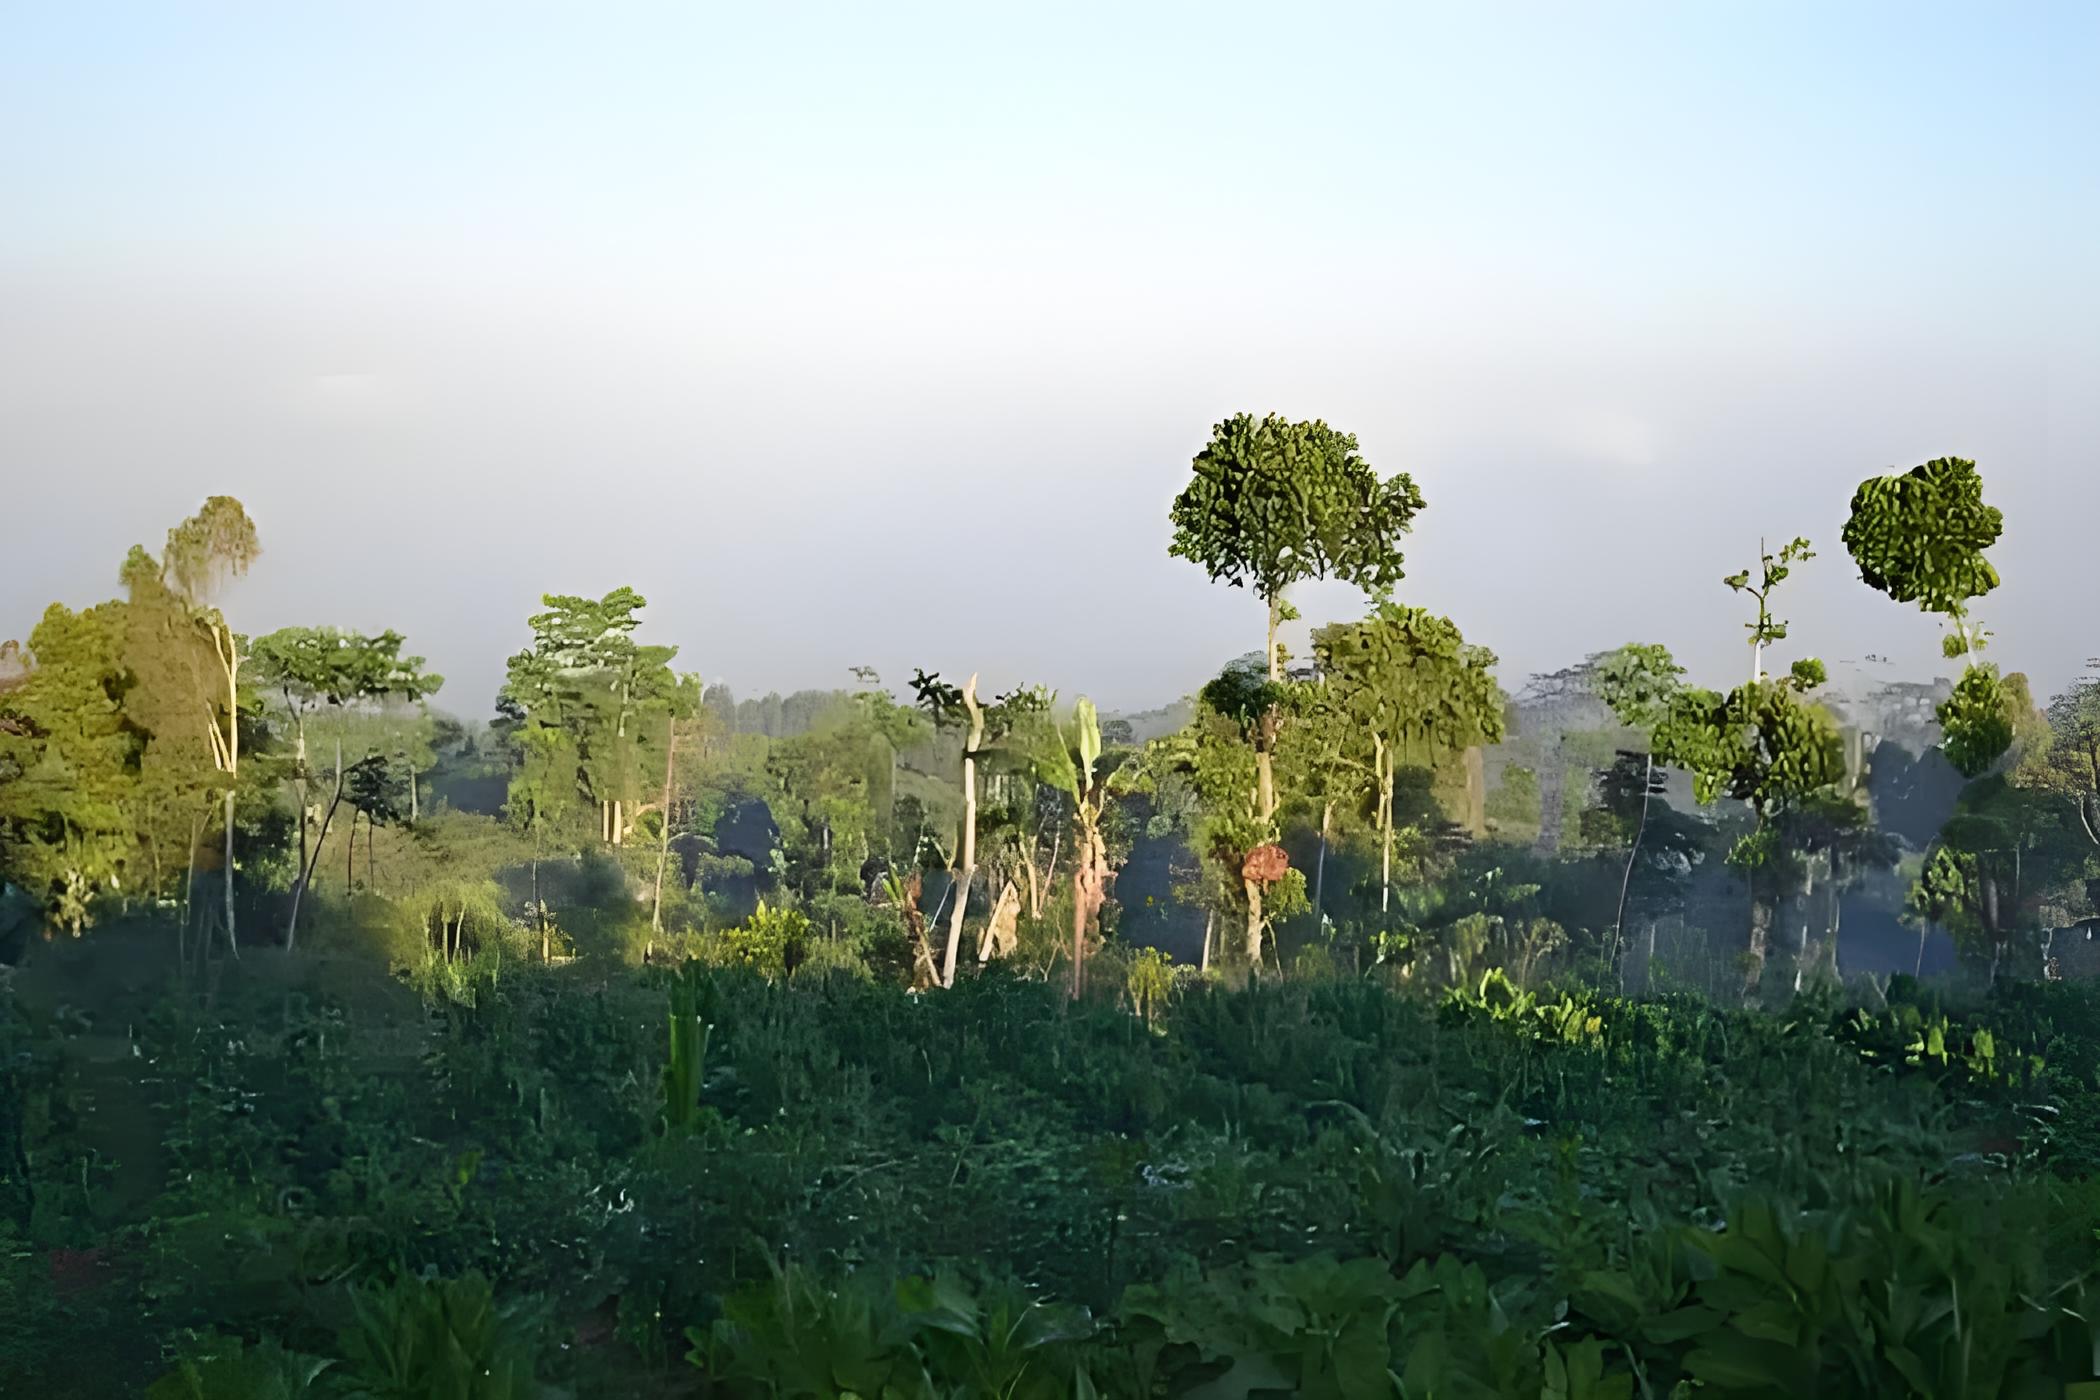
(884, 333)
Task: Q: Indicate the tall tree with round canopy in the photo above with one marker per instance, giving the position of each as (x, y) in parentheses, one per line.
(1919, 538)
(1274, 503)
(1412, 690)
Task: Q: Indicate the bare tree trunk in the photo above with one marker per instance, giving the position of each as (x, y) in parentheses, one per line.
(232, 942)
(1057, 842)
(539, 906)
(306, 876)
(1320, 869)
(1079, 882)
(1639, 831)
(663, 849)
(1476, 790)
(1089, 890)
(1275, 618)
(1254, 923)
(1837, 916)
(414, 812)
(1760, 940)
(923, 972)
(189, 885)
(305, 796)
(1808, 894)
(968, 867)
(1384, 759)
(1209, 918)
(230, 747)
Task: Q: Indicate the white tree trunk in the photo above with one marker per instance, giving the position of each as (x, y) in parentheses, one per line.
(967, 867)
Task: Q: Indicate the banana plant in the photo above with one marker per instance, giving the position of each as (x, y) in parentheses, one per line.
(1071, 757)
(686, 1067)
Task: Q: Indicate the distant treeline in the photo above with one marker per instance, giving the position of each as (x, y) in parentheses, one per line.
(776, 716)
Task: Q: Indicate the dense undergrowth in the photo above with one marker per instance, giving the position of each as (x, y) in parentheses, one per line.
(1315, 1187)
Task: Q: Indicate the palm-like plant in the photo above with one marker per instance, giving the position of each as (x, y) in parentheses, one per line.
(1068, 755)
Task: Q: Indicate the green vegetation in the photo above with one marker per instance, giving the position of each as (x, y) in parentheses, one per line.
(638, 1048)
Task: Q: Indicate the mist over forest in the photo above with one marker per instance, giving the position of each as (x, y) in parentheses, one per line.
(1099, 702)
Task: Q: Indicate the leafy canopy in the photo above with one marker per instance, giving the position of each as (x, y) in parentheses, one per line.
(1273, 503)
(1920, 537)
(1409, 677)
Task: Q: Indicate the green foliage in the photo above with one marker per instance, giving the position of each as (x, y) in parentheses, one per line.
(226, 1368)
(70, 782)
(685, 1068)
(1763, 744)
(1773, 570)
(1920, 537)
(445, 1339)
(587, 707)
(219, 542)
(770, 941)
(1638, 683)
(341, 668)
(1147, 981)
(2063, 760)
(1898, 1295)
(1274, 503)
(1975, 722)
(928, 1339)
(1409, 677)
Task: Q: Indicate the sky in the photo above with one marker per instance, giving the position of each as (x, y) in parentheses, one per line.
(855, 334)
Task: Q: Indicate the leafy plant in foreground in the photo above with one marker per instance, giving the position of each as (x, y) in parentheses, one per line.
(445, 1339)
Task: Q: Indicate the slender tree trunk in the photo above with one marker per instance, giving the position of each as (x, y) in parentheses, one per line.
(1760, 941)
(1057, 843)
(1275, 618)
(1384, 757)
(232, 742)
(1320, 869)
(1079, 882)
(1626, 880)
(1209, 918)
(1475, 760)
(539, 906)
(968, 867)
(1837, 917)
(306, 876)
(1808, 894)
(1254, 923)
(232, 942)
(305, 796)
(371, 860)
(189, 883)
(350, 858)
(663, 849)
(415, 813)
